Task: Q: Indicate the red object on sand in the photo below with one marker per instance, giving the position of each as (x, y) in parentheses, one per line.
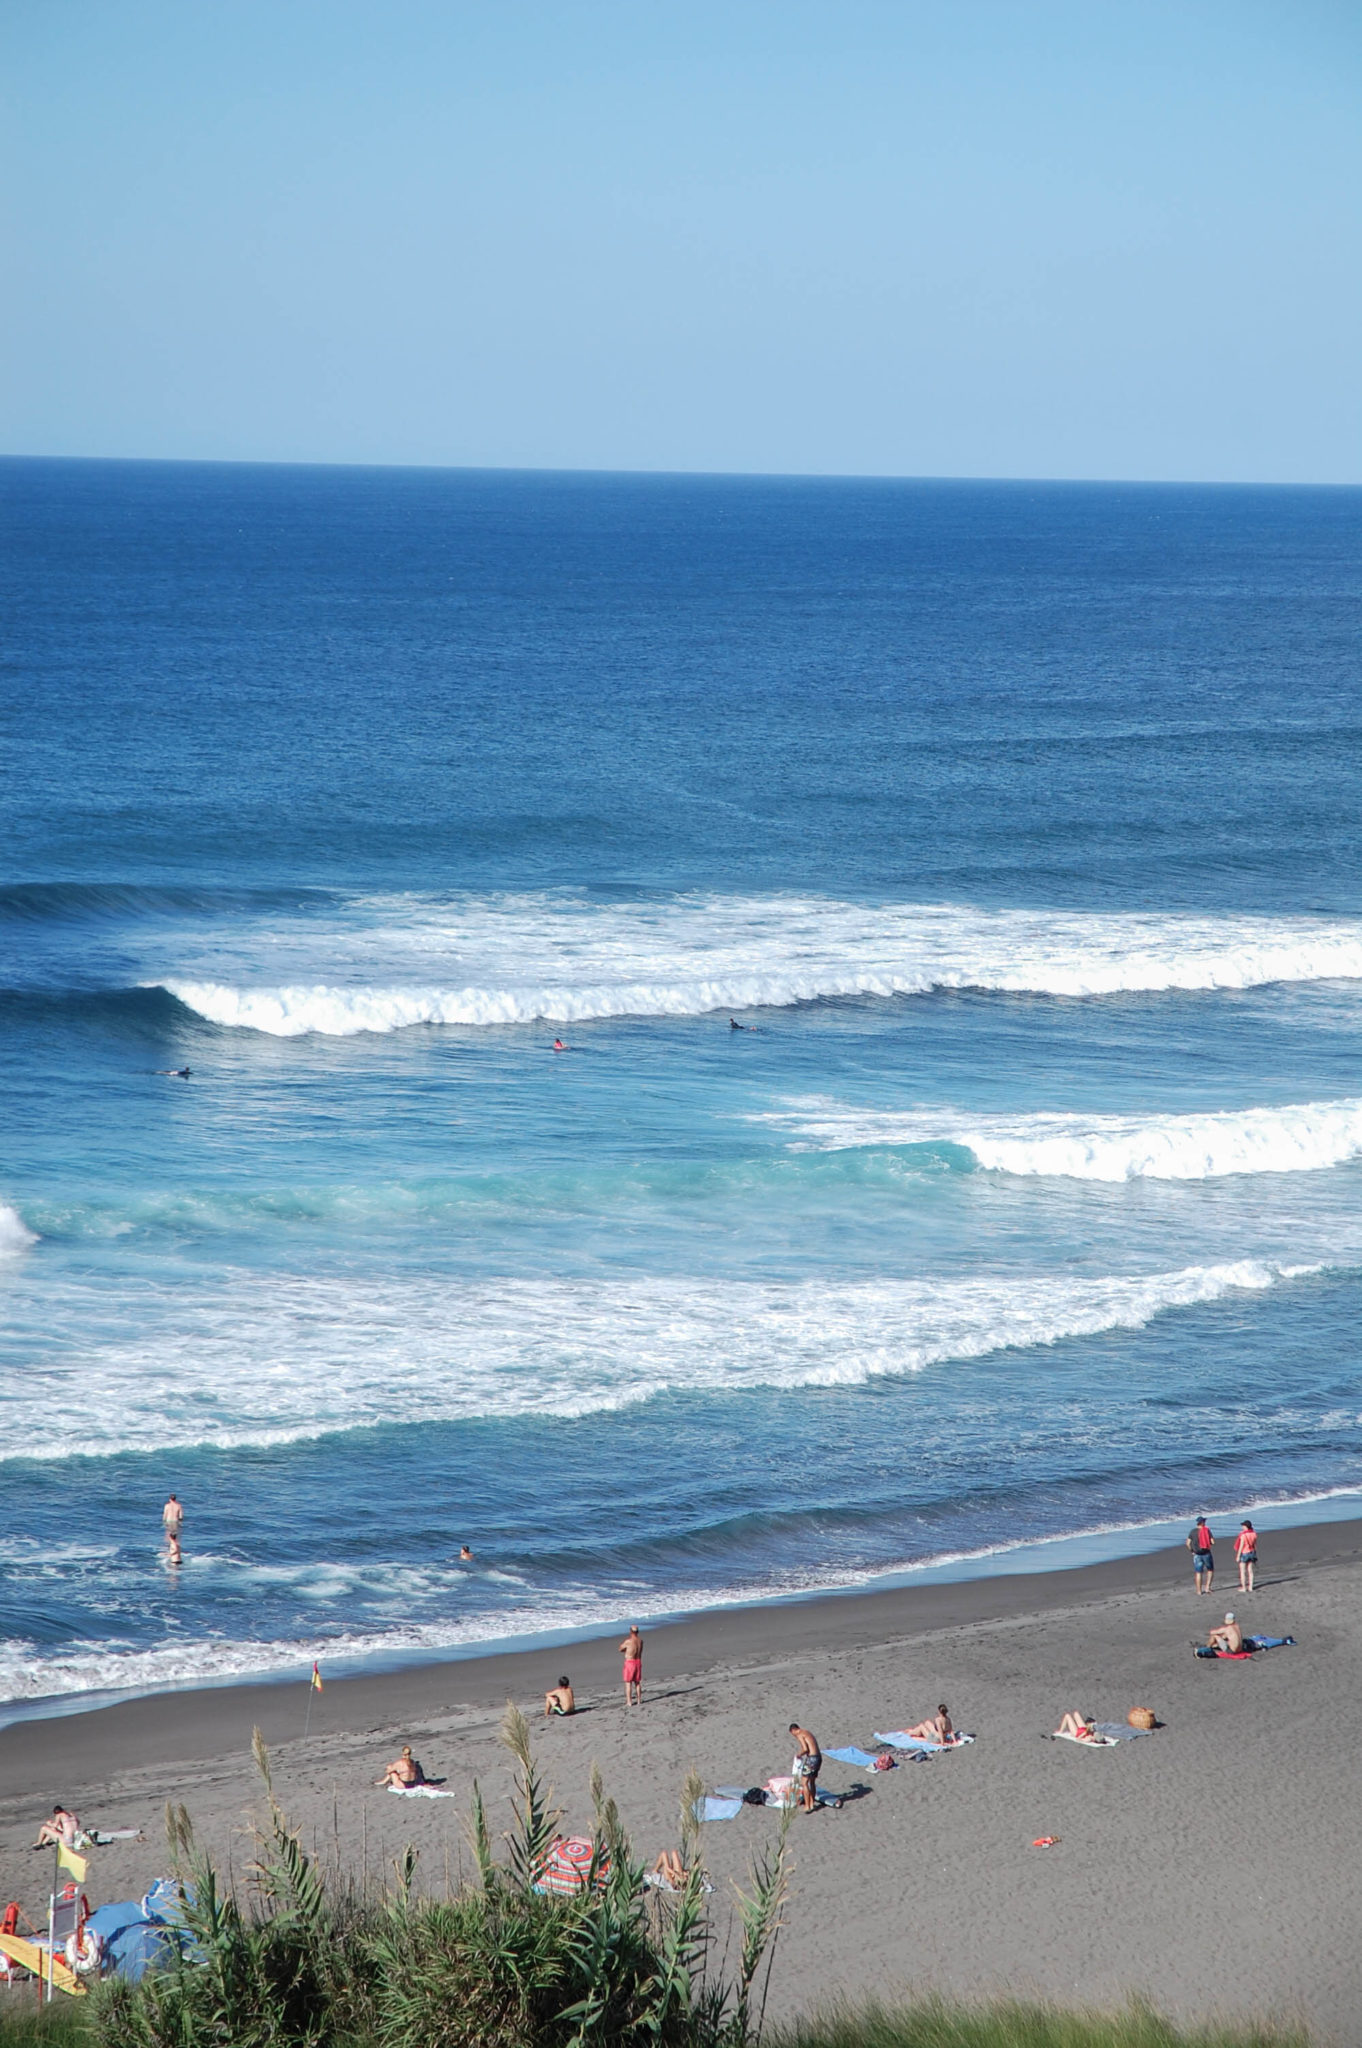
(1045, 1841)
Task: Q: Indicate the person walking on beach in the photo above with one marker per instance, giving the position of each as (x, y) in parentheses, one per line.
(632, 1649)
(1200, 1543)
(808, 1762)
(1246, 1555)
(172, 1520)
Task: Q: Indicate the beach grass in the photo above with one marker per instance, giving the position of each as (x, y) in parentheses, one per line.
(1009, 2023)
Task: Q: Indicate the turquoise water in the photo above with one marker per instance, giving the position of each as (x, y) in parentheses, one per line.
(1017, 826)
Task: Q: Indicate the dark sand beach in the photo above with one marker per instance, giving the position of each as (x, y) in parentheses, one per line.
(1212, 1865)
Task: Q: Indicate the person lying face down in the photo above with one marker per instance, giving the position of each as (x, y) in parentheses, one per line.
(1083, 1727)
(403, 1770)
(1229, 1635)
(559, 1699)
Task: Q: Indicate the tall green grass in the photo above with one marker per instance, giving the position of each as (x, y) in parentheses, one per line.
(303, 1961)
(1005, 2023)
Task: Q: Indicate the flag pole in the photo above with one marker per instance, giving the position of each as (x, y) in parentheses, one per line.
(52, 1915)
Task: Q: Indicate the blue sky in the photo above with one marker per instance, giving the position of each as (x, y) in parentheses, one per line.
(973, 238)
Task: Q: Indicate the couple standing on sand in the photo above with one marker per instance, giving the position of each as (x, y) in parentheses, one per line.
(1201, 1543)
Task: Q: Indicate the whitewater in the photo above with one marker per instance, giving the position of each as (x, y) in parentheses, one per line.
(560, 961)
(256, 1363)
(1304, 1137)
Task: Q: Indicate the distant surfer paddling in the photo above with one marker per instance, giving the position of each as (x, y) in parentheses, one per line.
(559, 1046)
(176, 1073)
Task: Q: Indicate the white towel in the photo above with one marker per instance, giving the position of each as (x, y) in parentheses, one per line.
(420, 1792)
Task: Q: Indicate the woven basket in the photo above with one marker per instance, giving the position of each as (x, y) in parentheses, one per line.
(1141, 1717)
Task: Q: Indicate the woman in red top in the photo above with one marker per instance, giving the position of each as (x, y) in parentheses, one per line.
(1246, 1555)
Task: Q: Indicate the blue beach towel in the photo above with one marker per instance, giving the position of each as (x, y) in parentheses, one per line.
(862, 1758)
(901, 1739)
(712, 1808)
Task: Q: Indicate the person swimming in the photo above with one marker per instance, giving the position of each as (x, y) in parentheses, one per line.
(176, 1073)
(559, 1046)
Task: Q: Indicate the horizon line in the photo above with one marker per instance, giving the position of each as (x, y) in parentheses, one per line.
(697, 475)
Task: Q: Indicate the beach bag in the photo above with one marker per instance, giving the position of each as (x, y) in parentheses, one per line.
(755, 1795)
(1142, 1717)
(885, 1762)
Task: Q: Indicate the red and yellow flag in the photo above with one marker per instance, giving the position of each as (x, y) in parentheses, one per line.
(316, 1678)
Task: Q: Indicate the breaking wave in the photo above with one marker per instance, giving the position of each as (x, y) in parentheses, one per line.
(518, 960)
(1297, 1138)
(255, 1361)
(15, 1235)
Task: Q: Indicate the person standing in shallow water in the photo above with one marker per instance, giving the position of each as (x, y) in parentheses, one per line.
(172, 1521)
(632, 1649)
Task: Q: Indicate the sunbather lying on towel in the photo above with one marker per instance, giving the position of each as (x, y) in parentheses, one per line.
(403, 1770)
(1082, 1727)
(60, 1831)
(939, 1729)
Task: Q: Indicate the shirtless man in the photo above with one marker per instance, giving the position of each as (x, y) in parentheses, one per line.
(939, 1729)
(632, 1650)
(559, 1699)
(403, 1770)
(808, 1762)
(1229, 1635)
(172, 1520)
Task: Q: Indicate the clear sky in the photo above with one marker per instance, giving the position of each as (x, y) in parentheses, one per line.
(1063, 238)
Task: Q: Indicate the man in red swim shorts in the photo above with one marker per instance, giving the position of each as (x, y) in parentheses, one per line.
(632, 1647)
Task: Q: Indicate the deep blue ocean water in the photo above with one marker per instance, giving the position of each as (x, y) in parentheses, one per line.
(1018, 826)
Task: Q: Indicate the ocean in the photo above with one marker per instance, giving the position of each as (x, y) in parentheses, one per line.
(1017, 825)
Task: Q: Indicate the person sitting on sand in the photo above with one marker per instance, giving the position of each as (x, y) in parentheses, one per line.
(403, 1770)
(1082, 1727)
(1229, 1635)
(940, 1729)
(60, 1831)
(559, 1699)
(671, 1869)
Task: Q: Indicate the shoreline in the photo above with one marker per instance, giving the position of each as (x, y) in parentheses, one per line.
(1038, 1557)
(181, 1724)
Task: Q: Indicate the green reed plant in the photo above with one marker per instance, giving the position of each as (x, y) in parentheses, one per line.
(299, 1964)
(1005, 2023)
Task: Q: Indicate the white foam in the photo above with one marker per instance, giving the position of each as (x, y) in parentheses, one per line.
(15, 1235)
(1296, 1138)
(254, 1359)
(392, 963)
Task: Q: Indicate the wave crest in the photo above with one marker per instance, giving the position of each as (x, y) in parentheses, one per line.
(1297, 1138)
(525, 960)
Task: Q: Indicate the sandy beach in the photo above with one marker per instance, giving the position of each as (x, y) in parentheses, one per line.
(1211, 1865)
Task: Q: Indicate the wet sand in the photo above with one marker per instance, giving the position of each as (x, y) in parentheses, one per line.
(1212, 1866)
